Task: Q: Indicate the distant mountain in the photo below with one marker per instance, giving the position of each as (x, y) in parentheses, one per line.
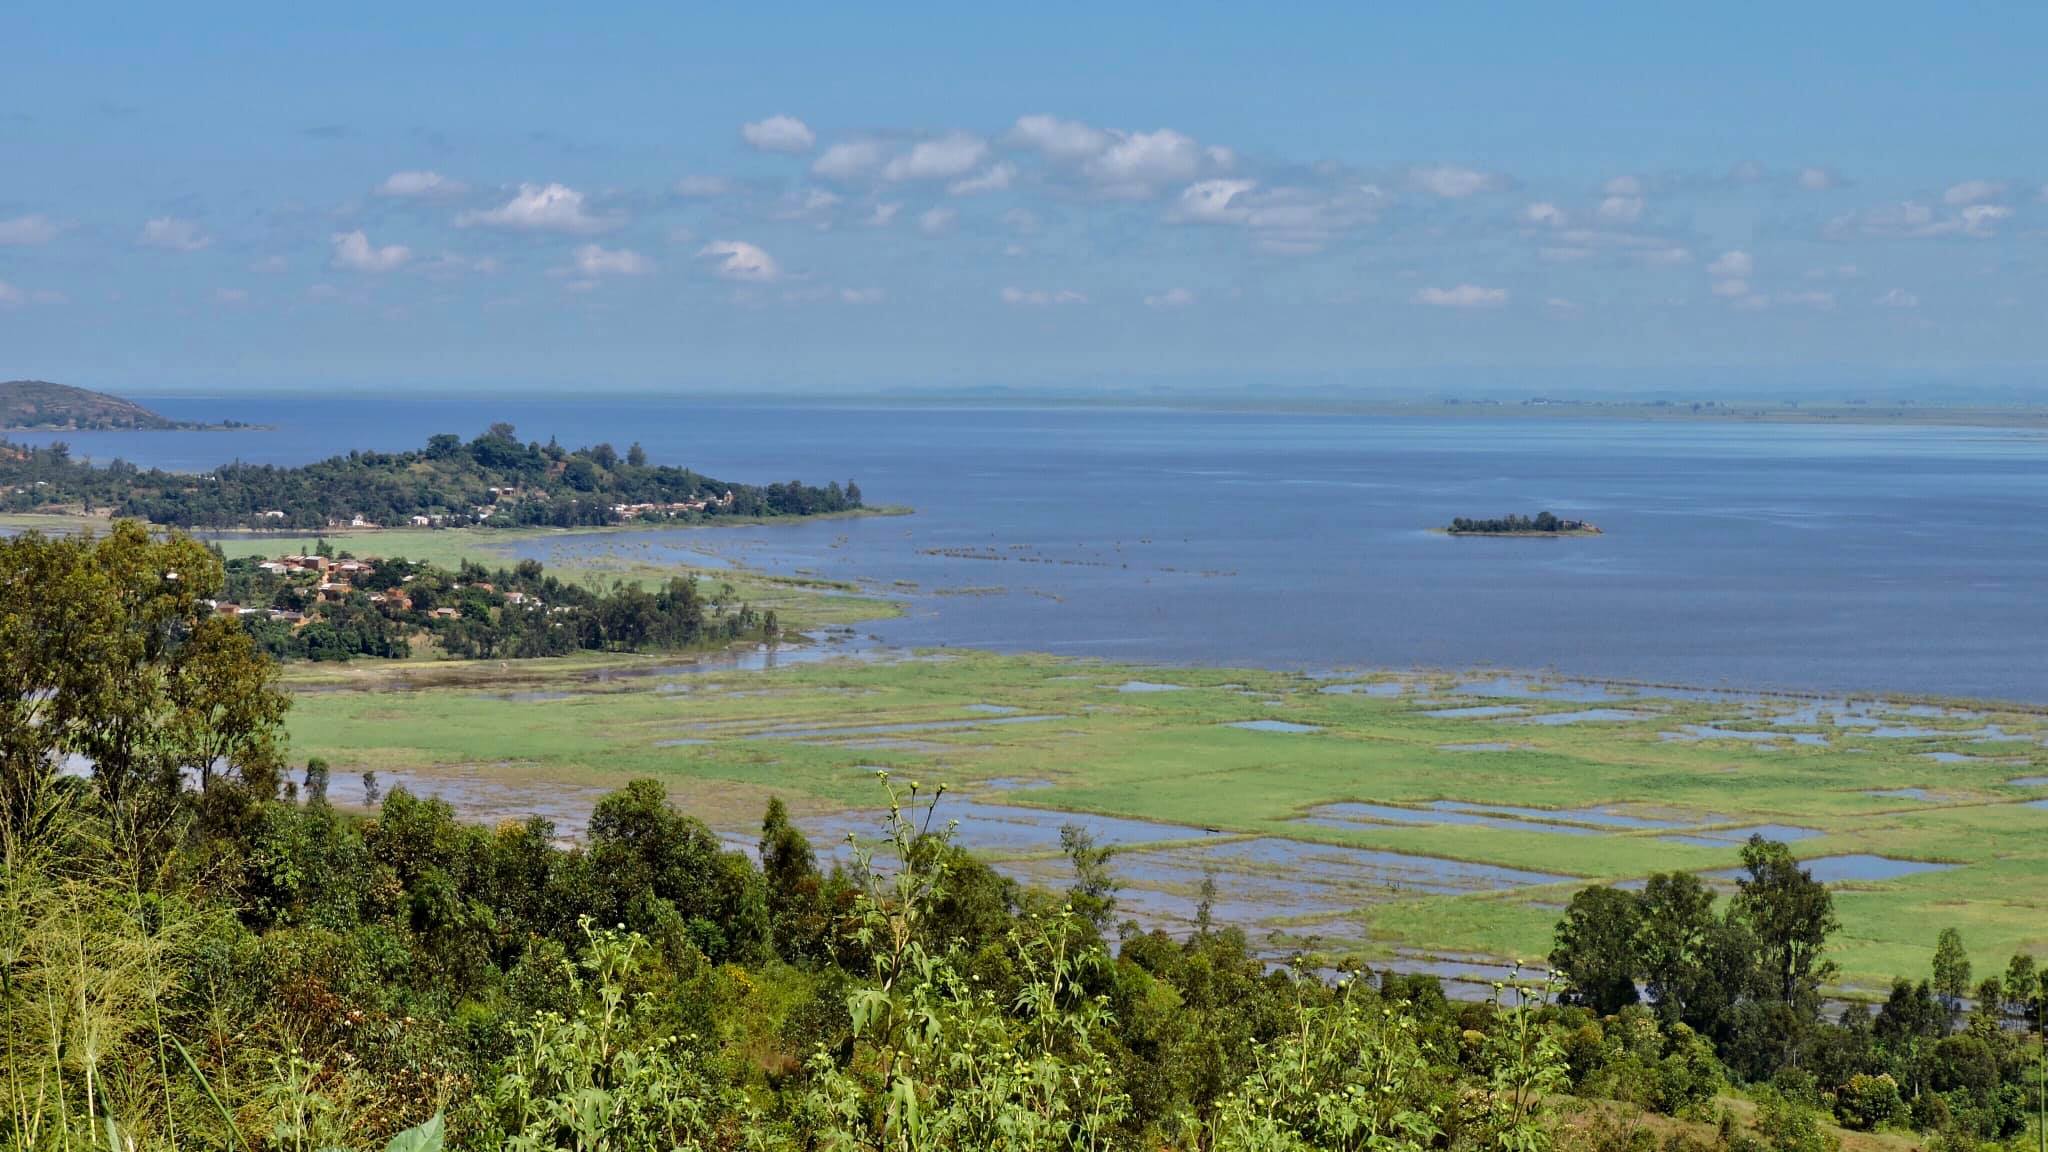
(41, 404)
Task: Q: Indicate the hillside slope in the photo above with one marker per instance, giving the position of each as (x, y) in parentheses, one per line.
(41, 404)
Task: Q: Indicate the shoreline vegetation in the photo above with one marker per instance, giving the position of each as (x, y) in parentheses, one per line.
(1541, 524)
(491, 481)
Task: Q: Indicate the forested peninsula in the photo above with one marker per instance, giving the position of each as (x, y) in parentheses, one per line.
(39, 404)
(494, 481)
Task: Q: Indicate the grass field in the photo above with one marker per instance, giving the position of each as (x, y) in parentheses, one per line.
(1149, 760)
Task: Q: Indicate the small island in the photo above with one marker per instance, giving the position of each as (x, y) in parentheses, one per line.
(1541, 524)
(43, 406)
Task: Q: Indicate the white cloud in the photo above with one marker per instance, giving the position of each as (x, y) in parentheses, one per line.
(1624, 186)
(1972, 192)
(353, 251)
(1560, 304)
(1452, 183)
(1065, 140)
(1563, 254)
(1818, 179)
(173, 234)
(25, 230)
(884, 214)
(1667, 256)
(1041, 297)
(1171, 298)
(739, 260)
(539, 208)
(941, 158)
(231, 295)
(1913, 220)
(848, 159)
(1215, 201)
(1136, 163)
(10, 296)
(778, 134)
(860, 295)
(1735, 289)
(593, 261)
(1545, 213)
(1977, 219)
(813, 206)
(702, 187)
(937, 220)
(1127, 165)
(1463, 296)
(1622, 209)
(995, 179)
(1732, 265)
(270, 264)
(421, 186)
(1897, 298)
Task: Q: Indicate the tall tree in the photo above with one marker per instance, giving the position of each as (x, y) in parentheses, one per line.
(1596, 948)
(1792, 915)
(1673, 937)
(1951, 970)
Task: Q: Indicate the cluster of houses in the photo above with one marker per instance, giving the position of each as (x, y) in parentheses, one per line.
(336, 581)
(678, 508)
(509, 495)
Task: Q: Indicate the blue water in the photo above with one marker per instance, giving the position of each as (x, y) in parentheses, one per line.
(1836, 558)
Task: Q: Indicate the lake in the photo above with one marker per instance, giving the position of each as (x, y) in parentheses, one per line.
(1833, 558)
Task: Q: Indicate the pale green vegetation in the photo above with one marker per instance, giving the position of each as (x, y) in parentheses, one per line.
(724, 740)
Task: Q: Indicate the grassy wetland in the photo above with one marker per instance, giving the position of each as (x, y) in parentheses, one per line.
(1416, 816)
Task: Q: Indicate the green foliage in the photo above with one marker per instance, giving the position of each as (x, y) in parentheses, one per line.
(1951, 970)
(1866, 1103)
(1598, 948)
(493, 479)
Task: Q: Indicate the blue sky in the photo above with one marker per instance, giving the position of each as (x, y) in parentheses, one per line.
(825, 197)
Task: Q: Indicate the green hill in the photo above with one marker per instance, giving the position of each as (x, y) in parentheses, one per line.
(41, 404)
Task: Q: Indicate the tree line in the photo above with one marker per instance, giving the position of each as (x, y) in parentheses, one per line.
(493, 479)
(1510, 524)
